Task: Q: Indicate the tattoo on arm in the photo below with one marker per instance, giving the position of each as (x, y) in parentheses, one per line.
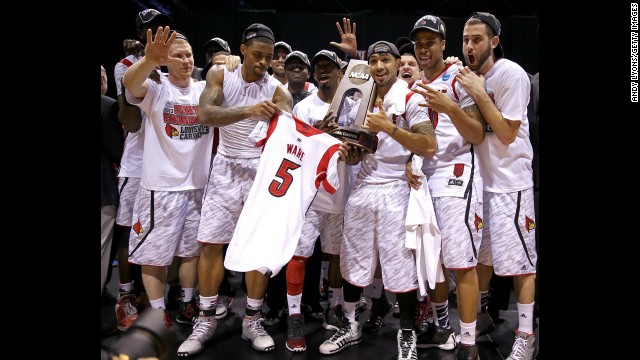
(424, 127)
(471, 108)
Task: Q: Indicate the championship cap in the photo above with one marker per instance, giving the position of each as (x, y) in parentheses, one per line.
(284, 45)
(218, 44)
(299, 55)
(405, 46)
(383, 47)
(494, 24)
(429, 22)
(329, 55)
(152, 16)
(257, 30)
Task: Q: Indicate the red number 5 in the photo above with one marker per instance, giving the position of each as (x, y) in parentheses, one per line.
(279, 189)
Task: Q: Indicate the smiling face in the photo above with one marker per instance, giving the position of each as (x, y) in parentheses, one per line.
(182, 50)
(296, 71)
(409, 69)
(383, 68)
(429, 48)
(277, 62)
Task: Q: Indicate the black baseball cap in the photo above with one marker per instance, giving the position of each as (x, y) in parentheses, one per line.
(494, 24)
(329, 55)
(405, 46)
(152, 16)
(299, 55)
(284, 45)
(257, 30)
(429, 22)
(217, 43)
(383, 47)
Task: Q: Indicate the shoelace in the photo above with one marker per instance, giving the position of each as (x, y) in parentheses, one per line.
(519, 348)
(200, 328)
(129, 308)
(405, 346)
(341, 332)
(255, 324)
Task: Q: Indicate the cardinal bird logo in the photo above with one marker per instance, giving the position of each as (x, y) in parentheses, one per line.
(478, 222)
(171, 131)
(137, 227)
(530, 224)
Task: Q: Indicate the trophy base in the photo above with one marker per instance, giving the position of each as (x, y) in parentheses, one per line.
(364, 139)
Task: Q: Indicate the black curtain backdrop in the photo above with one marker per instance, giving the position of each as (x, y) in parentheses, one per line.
(309, 32)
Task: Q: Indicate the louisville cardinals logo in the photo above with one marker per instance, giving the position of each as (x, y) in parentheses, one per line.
(530, 224)
(137, 227)
(478, 222)
(171, 131)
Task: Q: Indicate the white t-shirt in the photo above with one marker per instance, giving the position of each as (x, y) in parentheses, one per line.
(131, 163)
(507, 168)
(449, 171)
(234, 138)
(177, 148)
(310, 110)
(387, 164)
(296, 160)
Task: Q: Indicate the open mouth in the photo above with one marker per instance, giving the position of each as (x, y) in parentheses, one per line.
(406, 75)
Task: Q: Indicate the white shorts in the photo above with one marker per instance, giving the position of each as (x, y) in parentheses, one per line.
(166, 225)
(326, 225)
(374, 226)
(228, 186)
(128, 187)
(509, 247)
(461, 236)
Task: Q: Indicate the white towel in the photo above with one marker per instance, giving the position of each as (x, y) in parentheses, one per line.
(423, 233)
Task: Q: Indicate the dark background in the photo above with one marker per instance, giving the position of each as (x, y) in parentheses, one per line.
(309, 25)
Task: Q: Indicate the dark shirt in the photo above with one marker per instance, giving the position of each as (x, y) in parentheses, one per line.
(111, 150)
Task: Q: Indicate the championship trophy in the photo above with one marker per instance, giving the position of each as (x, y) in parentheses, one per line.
(355, 97)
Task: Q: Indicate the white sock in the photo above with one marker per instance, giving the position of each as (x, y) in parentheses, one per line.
(294, 303)
(187, 294)
(157, 303)
(468, 332)
(525, 317)
(208, 302)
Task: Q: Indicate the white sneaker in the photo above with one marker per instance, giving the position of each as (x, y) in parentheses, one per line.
(203, 330)
(253, 330)
(349, 334)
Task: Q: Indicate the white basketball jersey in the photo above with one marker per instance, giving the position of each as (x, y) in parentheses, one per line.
(450, 169)
(234, 138)
(387, 164)
(177, 148)
(507, 168)
(296, 160)
(312, 109)
(131, 163)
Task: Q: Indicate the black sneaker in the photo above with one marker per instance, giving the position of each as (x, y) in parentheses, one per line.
(314, 310)
(362, 306)
(295, 333)
(467, 352)
(187, 312)
(424, 316)
(380, 309)
(333, 318)
(484, 324)
(437, 336)
(275, 316)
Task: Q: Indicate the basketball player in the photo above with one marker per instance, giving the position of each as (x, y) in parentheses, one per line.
(235, 102)
(455, 184)
(175, 163)
(375, 212)
(501, 90)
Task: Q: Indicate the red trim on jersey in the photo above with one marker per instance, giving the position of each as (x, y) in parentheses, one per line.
(306, 85)
(304, 128)
(453, 86)
(126, 62)
(438, 74)
(406, 101)
(321, 172)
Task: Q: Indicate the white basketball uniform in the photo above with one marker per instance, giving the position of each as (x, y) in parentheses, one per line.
(454, 179)
(176, 157)
(325, 217)
(508, 178)
(297, 160)
(234, 167)
(375, 213)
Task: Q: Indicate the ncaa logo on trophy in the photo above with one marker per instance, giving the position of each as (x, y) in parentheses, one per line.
(353, 99)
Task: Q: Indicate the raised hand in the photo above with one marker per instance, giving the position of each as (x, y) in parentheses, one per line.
(157, 49)
(348, 43)
(472, 83)
(436, 100)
